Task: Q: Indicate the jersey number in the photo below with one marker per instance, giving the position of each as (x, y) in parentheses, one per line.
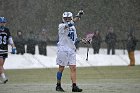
(2, 39)
(71, 35)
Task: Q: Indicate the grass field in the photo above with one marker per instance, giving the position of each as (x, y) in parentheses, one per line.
(106, 79)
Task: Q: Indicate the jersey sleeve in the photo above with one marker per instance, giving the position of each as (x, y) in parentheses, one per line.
(61, 28)
(8, 32)
(10, 40)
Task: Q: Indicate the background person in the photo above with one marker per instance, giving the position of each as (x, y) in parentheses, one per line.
(111, 40)
(96, 42)
(131, 45)
(31, 43)
(20, 43)
(42, 43)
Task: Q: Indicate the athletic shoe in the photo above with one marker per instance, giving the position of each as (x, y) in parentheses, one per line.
(59, 88)
(5, 81)
(76, 89)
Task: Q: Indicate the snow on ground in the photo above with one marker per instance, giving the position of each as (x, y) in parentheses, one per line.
(39, 61)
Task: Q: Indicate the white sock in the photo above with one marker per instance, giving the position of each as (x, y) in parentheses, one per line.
(3, 76)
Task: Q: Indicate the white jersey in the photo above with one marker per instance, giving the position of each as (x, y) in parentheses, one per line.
(67, 37)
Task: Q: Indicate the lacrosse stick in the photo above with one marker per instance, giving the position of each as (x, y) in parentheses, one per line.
(4, 52)
(88, 41)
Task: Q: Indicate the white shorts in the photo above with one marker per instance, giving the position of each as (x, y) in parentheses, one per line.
(66, 58)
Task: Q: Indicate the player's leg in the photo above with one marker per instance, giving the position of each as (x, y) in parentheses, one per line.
(59, 75)
(62, 61)
(73, 74)
(72, 66)
(2, 75)
(75, 88)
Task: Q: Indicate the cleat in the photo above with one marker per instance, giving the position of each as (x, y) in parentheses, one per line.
(76, 89)
(5, 81)
(59, 88)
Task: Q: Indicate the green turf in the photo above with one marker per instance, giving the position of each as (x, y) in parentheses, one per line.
(106, 79)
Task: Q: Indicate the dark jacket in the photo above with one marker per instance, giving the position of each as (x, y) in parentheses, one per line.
(111, 39)
(96, 41)
(20, 44)
(131, 43)
(31, 46)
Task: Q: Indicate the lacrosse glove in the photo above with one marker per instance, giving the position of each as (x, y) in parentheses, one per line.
(80, 13)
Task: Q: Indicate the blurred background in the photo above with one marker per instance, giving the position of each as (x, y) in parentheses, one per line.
(32, 17)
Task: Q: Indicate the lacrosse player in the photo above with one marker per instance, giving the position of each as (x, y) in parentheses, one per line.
(66, 54)
(5, 39)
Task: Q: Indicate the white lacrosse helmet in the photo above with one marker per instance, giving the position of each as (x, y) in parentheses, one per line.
(66, 15)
